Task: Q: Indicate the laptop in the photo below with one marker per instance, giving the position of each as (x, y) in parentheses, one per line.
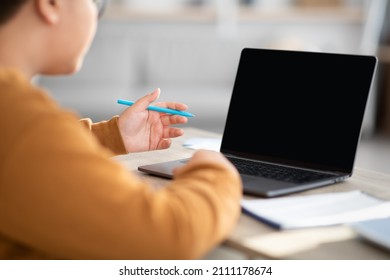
(294, 120)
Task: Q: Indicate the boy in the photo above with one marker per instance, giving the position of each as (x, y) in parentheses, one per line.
(61, 194)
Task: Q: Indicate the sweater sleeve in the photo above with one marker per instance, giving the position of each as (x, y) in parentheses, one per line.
(107, 132)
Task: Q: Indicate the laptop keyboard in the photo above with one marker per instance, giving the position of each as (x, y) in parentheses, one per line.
(276, 172)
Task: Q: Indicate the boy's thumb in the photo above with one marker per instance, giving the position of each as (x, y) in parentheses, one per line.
(154, 95)
(145, 101)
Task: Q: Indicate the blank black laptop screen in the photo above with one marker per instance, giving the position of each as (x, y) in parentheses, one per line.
(303, 108)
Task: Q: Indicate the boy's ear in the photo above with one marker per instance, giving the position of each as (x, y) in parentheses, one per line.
(48, 10)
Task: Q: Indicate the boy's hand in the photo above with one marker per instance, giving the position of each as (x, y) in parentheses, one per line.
(145, 130)
(205, 157)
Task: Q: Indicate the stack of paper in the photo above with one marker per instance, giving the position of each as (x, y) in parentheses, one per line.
(317, 210)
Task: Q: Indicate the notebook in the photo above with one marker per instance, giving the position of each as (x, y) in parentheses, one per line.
(374, 231)
(294, 120)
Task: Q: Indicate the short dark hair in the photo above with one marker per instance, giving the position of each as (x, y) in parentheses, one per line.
(8, 8)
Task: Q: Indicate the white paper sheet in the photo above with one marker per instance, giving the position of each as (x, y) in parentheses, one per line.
(317, 210)
(213, 144)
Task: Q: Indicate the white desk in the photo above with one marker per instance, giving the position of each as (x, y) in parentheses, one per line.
(257, 240)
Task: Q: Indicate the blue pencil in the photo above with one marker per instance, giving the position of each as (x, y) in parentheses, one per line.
(159, 109)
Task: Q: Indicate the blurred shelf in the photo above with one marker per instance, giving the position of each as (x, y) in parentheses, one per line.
(341, 13)
(125, 13)
(331, 14)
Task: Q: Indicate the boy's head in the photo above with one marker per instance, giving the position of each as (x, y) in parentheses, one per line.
(46, 36)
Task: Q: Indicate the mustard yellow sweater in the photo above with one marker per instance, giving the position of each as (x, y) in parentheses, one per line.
(63, 197)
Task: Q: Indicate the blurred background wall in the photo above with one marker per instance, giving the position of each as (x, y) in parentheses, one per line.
(190, 49)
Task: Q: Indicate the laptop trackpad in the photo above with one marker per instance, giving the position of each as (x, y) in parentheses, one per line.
(263, 186)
